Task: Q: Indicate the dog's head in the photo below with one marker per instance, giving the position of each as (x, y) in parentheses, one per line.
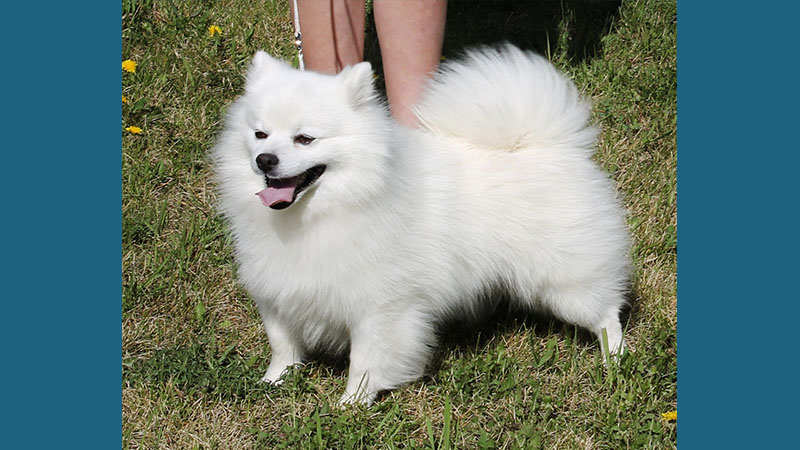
(308, 135)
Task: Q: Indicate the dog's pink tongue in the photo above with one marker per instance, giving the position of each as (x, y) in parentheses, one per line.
(279, 191)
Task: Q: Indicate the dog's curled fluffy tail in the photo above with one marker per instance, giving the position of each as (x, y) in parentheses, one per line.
(506, 98)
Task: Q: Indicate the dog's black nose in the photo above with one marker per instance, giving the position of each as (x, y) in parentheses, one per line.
(266, 161)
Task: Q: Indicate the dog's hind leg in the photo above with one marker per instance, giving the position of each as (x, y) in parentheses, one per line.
(609, 334)
(596, 308)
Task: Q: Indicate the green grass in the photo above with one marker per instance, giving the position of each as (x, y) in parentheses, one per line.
(193, 347)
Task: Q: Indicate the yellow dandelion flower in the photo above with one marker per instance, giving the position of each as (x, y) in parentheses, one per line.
(133, 130)
(213, 29)
(671, 415)
(124, 99)
(129, 65)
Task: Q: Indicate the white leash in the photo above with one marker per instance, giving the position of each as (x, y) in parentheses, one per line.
(298, 37)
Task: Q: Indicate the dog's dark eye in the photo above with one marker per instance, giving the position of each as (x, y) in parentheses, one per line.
(303, 139)
(261, 135)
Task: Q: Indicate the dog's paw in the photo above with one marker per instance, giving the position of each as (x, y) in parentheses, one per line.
(276, 372)
(356, 399)
(616, 356)
(274, 375)
(271, 380)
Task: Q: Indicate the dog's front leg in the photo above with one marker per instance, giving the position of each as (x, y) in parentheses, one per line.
(287, 351)
(387, 351)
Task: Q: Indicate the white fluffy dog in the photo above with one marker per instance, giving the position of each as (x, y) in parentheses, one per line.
(352, 232)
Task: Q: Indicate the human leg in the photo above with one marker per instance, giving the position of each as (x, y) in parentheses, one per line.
(333, 33)
(410, 33)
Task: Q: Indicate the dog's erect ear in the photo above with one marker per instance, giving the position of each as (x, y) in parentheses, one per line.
(357, 80)
(263, 63)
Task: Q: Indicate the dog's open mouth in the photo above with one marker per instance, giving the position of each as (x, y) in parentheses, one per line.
(282, 192)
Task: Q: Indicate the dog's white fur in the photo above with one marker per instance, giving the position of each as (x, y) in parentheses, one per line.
(406, 227)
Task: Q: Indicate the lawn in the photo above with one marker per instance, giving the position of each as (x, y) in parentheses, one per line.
(193, 347)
